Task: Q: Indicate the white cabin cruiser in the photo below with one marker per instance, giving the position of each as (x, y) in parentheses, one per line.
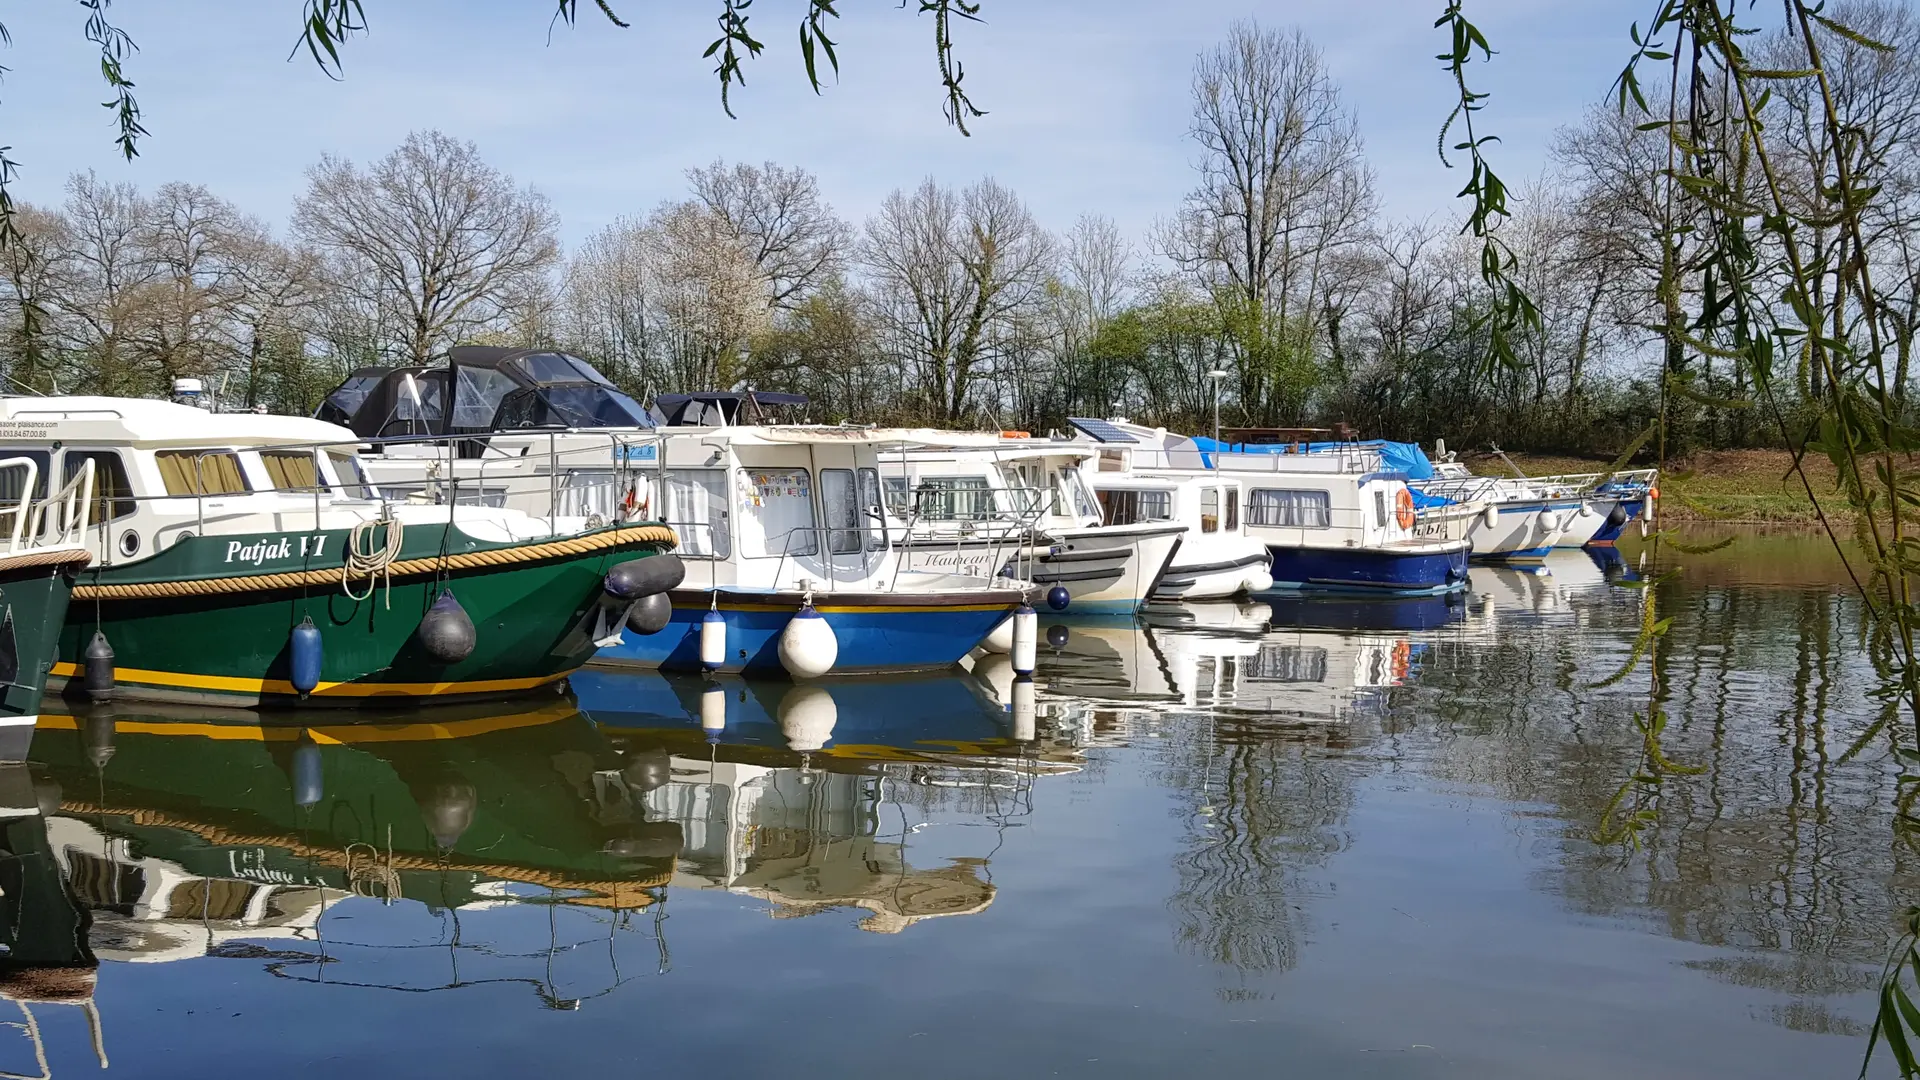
(1520, 520)
(963, 504)
(779, 523)
(1131, 478)
(1335, 517)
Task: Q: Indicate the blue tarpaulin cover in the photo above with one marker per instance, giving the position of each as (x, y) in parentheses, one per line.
(1397, 456)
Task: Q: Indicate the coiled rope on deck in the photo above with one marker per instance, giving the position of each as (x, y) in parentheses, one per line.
(619, 536)
(364, 561)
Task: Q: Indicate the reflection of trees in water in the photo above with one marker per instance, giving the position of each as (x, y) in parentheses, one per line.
(1263, 804)
(1784, 846)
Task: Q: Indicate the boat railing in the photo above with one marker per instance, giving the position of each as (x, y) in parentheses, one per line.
(59, 520)
(820, 540)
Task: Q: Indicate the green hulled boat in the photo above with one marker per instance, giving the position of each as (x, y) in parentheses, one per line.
(217, 535)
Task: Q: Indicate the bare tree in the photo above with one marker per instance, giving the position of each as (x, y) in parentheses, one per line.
(949, 269)
(431, 236)
(778, 218)
(1284, 186)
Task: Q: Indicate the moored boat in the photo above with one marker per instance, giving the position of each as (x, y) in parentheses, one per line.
(1338, 517)
(1216, 558)
(777, 523)
(1011, 504)
(242, 560)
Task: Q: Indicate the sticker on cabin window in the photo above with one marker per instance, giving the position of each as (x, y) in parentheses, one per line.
(778, 485)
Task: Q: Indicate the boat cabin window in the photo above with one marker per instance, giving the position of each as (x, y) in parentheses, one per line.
(345, 401)
(1380, 509)
(577, 405)
(952, 498)
(201, 472)
(1209, 510)
(352, 478)
(292, 470)
(477, 395)
(1125, 507)
(781, 500)
(840, 501)
(1290, 509)
(694, 503)
(112, 490)
(870, 505)
(12, 481)
(1071, 496)
(1233, 508)
(550, 367)
(416, 417)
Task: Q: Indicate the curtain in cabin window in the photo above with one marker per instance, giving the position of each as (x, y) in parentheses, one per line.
(290, 470)
(694, 503)
(1290, 509)
(198, 472)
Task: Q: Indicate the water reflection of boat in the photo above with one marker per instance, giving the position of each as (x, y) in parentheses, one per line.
(799, 795)
(45, 955)
(186, 839)
(1370, 613)
(1239, 658)
(874, 717)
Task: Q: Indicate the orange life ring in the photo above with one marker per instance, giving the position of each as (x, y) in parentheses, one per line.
(1403, 508)
(1016, 435)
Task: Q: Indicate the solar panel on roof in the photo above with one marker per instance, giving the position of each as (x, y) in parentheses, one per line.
(1102, 431)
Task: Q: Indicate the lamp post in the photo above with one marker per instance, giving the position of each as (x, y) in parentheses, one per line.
(1217, 376)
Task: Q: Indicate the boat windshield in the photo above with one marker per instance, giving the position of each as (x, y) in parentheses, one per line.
(543, 369)
(577, 405)
(1074, 496)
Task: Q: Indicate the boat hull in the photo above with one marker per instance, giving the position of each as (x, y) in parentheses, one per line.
(1106, 571)
(1521, 533)
(1376, 571)
(1609, 534)
(35, 596)
(876, 632)
(535, 617)
(1213, 571)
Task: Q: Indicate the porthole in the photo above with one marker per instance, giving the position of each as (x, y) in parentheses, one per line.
(129, 543)
(182, 538)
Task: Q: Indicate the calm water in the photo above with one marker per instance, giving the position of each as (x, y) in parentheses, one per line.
(1291, 839)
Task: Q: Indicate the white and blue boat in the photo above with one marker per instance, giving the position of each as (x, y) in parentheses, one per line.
(1012, 504)
(1520, 520)
(792, 563)
(1338, 517)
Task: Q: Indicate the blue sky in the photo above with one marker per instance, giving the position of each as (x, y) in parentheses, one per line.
(1088, 112)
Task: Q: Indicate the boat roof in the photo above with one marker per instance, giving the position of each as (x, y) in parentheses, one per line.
(146, 423)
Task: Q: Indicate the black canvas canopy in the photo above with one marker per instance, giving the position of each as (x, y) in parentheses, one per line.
(711, 408)
(494, 389)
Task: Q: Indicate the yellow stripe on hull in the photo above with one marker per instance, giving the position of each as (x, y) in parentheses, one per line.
(339, 734)
(232, 685)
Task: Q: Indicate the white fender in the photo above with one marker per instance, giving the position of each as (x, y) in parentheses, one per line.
(1490, 517)
(807, 646)
(713, 640)
(1258, 579)
(1026, 639)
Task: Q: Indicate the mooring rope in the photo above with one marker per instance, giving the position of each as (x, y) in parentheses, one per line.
(363, 561)
(46, 557)
(620, 536)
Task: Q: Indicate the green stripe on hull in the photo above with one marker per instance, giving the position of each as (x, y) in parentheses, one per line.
(534, 623)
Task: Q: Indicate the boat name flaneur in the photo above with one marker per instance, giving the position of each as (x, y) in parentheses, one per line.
(260, 551)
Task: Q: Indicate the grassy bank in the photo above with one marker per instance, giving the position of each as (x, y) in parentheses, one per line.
(1748, 486)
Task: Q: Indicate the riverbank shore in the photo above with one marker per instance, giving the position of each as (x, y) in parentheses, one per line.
(1753, 487)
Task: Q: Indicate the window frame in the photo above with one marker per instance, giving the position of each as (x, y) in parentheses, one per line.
(196, 458)
(117, 469)
(1322, 500)
(851, 527)
(1210, 509)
